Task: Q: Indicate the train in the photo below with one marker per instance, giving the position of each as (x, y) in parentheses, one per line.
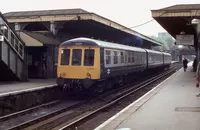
(86, 63)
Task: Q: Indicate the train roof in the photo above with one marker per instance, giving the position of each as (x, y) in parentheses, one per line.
(165, 53)
(153, 51)
(104, 44)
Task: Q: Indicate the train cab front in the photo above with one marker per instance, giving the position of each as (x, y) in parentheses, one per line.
(78, 66)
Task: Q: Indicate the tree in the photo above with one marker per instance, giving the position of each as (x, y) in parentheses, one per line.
(167, 41)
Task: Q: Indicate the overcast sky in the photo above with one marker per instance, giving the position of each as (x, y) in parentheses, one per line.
(126, 12)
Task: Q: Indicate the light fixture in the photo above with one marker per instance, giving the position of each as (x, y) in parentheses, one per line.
(195, 21)
(182, 32)
(3, 27)
(180, 46)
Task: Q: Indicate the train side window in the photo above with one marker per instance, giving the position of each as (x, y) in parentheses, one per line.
(65, 55)
(133, 60)
(108, 57)
(129, 57)
(122, 57)
(76, 56)
(115, 57)
(89, 57)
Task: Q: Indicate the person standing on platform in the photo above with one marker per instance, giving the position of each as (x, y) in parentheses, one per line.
(194, 65)
(185, 62)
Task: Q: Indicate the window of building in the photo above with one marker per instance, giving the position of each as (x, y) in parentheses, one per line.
(76, 56)
(65, 55)
(115, 57)
(108, 57)
(89, 57)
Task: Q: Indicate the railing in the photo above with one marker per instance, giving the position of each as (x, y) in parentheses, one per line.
(12, 39)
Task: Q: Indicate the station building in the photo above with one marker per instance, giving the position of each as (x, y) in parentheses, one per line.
(42, 32)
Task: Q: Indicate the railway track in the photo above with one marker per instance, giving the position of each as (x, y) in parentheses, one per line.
(75, 124)
(76, 113)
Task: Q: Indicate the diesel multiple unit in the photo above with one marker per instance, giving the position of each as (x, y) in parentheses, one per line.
(93, 63)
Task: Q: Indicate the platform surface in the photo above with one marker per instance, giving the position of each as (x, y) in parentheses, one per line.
(20, 86)
(172, 105)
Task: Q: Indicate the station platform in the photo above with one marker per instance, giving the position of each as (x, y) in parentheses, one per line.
(171, 105)
(8, 88)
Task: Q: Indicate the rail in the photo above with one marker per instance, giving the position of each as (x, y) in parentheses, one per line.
(11, 38)
(78, 122)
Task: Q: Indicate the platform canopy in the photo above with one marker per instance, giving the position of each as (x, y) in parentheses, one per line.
(177, 19)
(79, 23)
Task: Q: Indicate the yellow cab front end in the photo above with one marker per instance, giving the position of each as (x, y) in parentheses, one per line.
(78, 63)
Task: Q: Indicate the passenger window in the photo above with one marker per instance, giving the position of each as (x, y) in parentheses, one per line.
(76, 56)
(108, 57)
(65, 54)
(133, 57)
(115, 57)
(122, 57)
(89, 57)
(126, 57)
(129, 57)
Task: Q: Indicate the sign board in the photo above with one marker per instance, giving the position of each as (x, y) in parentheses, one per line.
(185, 39)
(1, 38)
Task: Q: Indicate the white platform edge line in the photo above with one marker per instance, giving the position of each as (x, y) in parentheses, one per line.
(126, 108)
(26, 90)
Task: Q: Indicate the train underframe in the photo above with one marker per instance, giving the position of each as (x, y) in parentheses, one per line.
(101, 85)
(97, 86)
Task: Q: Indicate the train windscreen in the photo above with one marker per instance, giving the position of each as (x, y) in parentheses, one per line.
(65, 55)
(76, 56)
(89, 57)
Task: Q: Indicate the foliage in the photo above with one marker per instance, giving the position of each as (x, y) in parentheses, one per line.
(167, 41)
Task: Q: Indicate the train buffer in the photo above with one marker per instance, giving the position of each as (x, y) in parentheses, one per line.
(173, 104)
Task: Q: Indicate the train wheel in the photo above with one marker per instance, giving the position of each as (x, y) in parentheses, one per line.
(121, 81)
(109, 85)
(98, 87)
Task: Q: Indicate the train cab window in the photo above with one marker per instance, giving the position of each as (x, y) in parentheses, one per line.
(76, 56)
(115, 57)
(65, 55)
(108, 57)
(89, 57)
(122, 57)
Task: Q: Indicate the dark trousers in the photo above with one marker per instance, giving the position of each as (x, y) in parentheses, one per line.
(185, 68)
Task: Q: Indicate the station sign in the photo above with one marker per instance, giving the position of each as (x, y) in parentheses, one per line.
(1, 38)
(185, 39)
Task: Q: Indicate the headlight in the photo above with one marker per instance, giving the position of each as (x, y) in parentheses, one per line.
(63, 74)
(88, 75)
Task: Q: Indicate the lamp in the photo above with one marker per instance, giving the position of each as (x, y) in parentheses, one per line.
(3, 27)
(195, 21)
(180, 46)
